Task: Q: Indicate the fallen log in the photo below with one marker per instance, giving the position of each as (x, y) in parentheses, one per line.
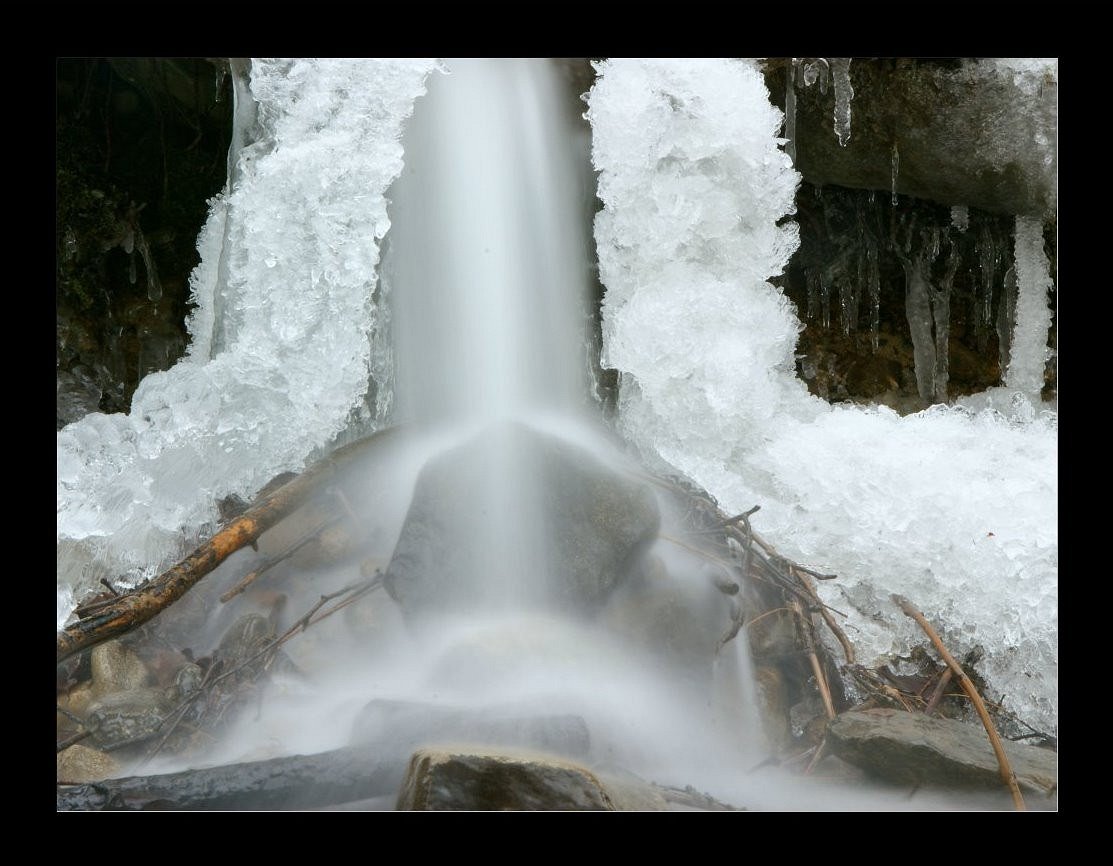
(297, 782)
(130, 611)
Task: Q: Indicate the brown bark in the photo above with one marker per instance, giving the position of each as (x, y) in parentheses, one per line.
(127, 612)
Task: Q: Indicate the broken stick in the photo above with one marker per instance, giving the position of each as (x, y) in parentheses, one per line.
(1007, 774)
(131, 611)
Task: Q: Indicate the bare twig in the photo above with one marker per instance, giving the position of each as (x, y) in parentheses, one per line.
(938, 694)
(1007, 774)
(816, 758)
(824, 611)
(72, 739)
(355, 591)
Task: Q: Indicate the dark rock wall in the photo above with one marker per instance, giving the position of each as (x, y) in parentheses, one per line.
(141, 145)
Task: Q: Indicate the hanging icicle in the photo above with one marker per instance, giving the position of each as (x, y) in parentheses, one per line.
(894, 163)
(1028, 352)
(790, 110)
(844, 93)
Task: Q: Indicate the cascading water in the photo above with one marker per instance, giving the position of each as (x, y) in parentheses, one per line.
(477, 349)
(510, 595)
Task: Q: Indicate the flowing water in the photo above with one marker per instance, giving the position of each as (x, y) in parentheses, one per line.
(485, 282)
(483, 323)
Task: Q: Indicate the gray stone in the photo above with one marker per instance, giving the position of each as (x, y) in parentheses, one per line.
(566, 528)
(962, 137)
(124, 718)
(914, 749)
(439, 780)
(680, 619)
(399, 727)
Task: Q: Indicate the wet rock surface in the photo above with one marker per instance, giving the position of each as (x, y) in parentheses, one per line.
(129, 717)
(914, 749)
(964, 133)
(498, 781)
(597, 521)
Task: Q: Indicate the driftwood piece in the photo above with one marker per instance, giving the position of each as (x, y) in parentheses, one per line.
(298, 782)
(127, 612)
(1007, 775)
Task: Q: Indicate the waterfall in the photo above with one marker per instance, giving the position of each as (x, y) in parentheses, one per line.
(470, 176)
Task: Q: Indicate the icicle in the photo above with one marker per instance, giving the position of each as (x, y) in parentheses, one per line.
(816, 68)
(221, 74)
(986, 248)
(825, 300)
(154, 287)
(875, 294)
(813, 293)
(849, 294)
(790, 111)
(844, 93)
(1028, 352)
(941, 314)
(1006, 320)
(960, 217)
(895, 168)
(917, 309)
(869, 280)
(930, 244)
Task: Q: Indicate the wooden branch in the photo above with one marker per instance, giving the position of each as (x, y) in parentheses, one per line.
(1007, 774)
(817, 668)
(132, 610)
(259, 571)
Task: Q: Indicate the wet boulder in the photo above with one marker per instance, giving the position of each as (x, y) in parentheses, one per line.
(515, 517)
(914, 749)
(439, 780)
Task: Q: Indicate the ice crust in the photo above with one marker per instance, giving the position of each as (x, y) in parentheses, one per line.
(954, 508)
(281, 334)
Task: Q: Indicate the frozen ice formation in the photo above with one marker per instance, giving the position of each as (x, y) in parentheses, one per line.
(953, 508)
(281, 333)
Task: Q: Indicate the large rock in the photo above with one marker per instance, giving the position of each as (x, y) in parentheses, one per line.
(914, 749)
(981, 133)
(518, 518)
(497, 781)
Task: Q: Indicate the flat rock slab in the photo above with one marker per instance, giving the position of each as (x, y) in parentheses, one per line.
(914, 749)
(439, 780)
